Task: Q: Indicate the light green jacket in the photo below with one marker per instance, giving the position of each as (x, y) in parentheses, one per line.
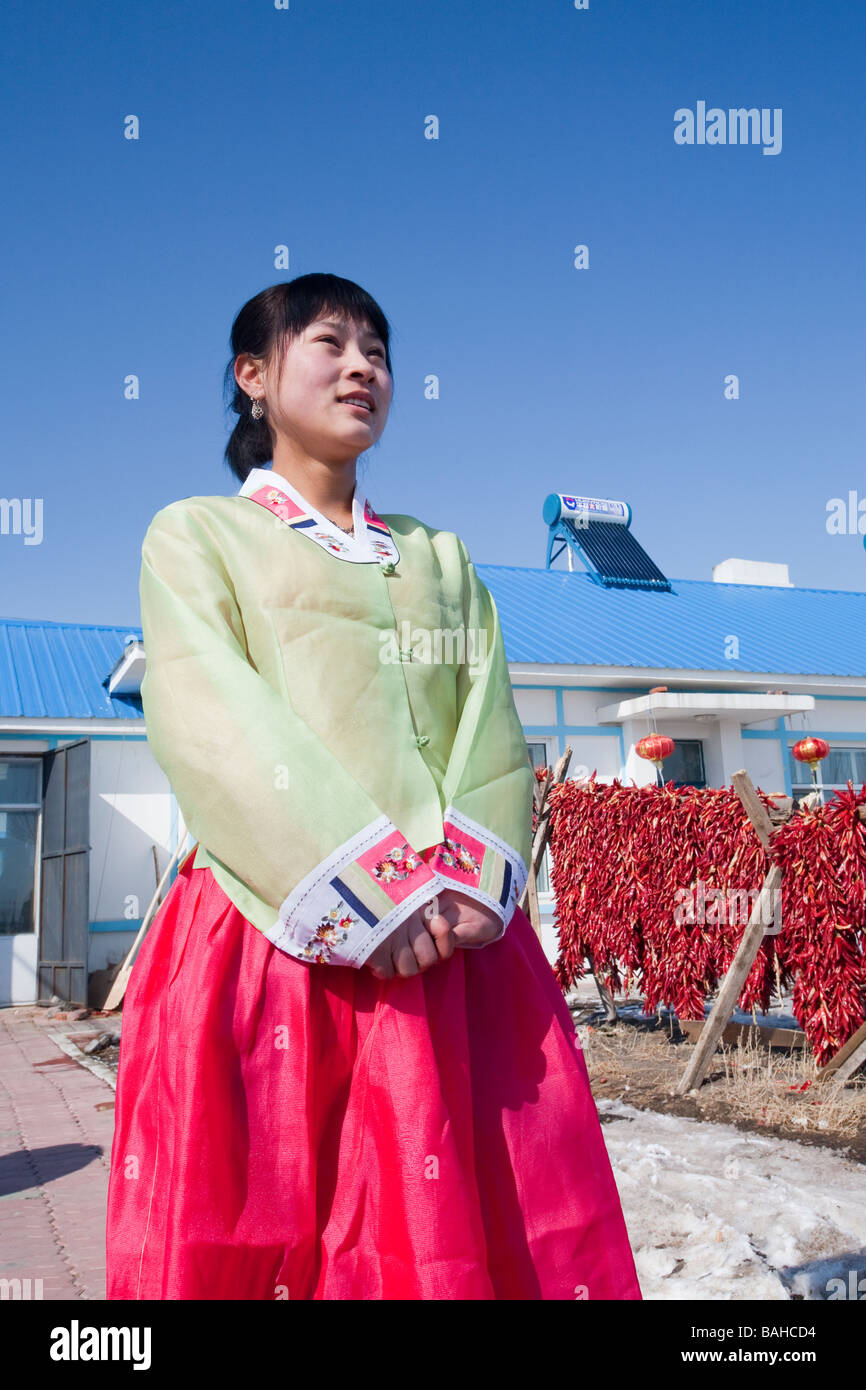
(334, 715)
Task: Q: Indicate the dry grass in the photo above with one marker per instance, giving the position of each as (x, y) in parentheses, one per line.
(749, 1083)
(779, 1087)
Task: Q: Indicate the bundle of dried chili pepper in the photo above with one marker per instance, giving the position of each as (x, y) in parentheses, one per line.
(822, 855)
(633, 868)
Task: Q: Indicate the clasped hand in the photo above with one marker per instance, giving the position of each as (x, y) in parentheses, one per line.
(420, 942)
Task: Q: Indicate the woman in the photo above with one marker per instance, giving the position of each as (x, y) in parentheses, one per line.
(347, 1071)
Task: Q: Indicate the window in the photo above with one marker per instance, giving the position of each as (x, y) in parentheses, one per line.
(541, 756)
(685, 766)
(538, 754)
(833, 771)
(20, 807)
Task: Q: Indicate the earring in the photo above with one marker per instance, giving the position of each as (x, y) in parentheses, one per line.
(256, 411)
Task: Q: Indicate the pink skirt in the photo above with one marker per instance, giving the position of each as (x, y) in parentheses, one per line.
(287, 1130)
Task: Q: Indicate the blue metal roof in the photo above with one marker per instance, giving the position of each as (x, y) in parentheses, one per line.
(56, 671)
(561, 616)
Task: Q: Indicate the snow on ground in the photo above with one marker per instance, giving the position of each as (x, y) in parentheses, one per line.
(714, 1212)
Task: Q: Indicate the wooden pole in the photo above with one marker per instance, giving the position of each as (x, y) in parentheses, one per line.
(530, 892)
(848, 1059)
(604, 994)
(753, 935)
(531, 897)
(118, 989)
(542, 834)
(753, 806)
(732, 984)
(852, 1054)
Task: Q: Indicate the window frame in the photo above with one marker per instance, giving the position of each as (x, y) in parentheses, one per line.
(550, 744)
(699, 742)
(38, 806)
(805, 784)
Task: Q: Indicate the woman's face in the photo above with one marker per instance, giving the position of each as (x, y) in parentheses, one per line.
(330, 360)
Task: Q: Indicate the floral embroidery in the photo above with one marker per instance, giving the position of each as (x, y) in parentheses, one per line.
(457, 856)
(399, 862)
(333, 928)
(278, 503)
(372, 541)
(332, 543)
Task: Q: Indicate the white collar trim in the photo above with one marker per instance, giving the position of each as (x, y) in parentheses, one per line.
(372, 542)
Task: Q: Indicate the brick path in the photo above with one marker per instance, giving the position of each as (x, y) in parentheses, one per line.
(56, 1126)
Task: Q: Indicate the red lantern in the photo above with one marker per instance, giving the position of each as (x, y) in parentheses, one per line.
(810, 750)
(655, 748)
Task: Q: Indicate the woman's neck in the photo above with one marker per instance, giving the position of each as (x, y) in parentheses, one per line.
(330, 488)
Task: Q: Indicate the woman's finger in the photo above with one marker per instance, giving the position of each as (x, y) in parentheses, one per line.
(379, 961)
(443, 935)
(381, 971)
(404, 957)
(423, 945)
(465, 935)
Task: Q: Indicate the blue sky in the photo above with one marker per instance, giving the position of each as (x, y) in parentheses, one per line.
(305, 126)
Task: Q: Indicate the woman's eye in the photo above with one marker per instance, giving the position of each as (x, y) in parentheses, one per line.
(336, 344)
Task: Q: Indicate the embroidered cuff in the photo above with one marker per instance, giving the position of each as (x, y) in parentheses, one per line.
(473, 860)
(355, 898)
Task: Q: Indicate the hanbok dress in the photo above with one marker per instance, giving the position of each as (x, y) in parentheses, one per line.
(335, 717)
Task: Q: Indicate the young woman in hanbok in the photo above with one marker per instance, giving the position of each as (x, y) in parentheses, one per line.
(347, 1069)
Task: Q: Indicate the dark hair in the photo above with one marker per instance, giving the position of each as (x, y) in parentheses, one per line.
(264, 327)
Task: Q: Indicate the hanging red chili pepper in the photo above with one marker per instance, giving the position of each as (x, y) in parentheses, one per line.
(655, 884)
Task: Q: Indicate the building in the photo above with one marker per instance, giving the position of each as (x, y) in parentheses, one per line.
(749, 664)
(86, 817)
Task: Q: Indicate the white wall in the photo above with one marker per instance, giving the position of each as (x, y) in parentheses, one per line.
(765, 764)
(130, 811)
(601, 754)
(844, 715)
(18, 968)
(535, 706)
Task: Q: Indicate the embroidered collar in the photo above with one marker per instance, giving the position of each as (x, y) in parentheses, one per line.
(371, 544)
